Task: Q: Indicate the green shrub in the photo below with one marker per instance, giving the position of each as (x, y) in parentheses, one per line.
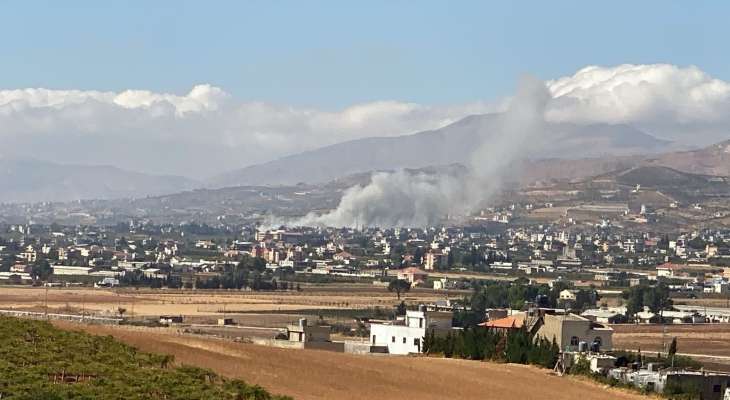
(33, 353)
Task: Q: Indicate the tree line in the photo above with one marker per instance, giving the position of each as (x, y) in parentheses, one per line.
(516, 346)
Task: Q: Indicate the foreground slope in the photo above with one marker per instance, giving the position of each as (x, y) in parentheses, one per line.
(311, 374)
(39, 361)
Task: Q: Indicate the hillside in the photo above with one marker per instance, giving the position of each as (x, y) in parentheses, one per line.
(449, 145)
(711, 160)
(315, 375)
(35, 181)
(39, 361)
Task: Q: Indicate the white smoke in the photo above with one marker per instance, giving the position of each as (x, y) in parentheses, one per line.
(411, 199)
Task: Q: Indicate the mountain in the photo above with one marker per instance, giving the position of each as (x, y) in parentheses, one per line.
(35, 181)
(712, 160)
(452, 144)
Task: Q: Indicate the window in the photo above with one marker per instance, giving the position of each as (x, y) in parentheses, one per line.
(716, 388)
(373, 339)
(417, 343)
(598, 340)
(574, 341)
(392, 340)
(420, 322)
(404, 340)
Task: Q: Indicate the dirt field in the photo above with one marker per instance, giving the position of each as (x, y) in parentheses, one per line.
(310, 374)
(199, 303)
(708, 343)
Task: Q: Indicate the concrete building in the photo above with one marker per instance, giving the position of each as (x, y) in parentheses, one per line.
(413, 275)
(405, 335)
(302, 332)
(70, 270)
(570, 330)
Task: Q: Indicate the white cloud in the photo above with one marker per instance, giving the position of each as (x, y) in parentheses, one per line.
(207, 131)
(668, 100)
(203, 132)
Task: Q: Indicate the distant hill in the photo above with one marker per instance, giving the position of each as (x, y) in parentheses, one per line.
(35, 181)
(712, 160)
(657, 176)
(449, 145)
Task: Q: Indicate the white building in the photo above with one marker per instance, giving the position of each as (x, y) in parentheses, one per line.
(405, 335)
(70, 270)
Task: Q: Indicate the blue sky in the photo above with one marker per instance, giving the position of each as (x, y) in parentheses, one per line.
(330, 54)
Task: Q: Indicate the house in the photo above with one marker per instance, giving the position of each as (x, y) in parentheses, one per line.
(604, 316)
(443, 284)
(568, 295)
(205, 244)
(16, 277)
(433, 259)
(21, 268)
(342, 256)
(513, 322)
(302, 332)
(668, 270)
(405, 335)
(647, 317)
(570, 330)
(413, 275)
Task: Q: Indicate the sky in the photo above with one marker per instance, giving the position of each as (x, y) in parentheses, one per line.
(331, 54)
(160, 87)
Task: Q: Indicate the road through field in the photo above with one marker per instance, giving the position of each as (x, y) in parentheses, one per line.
(311, 374)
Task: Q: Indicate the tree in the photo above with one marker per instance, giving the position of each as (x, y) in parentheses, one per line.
(672, 348)
(121, 311)
(401, 308)
(399, 286)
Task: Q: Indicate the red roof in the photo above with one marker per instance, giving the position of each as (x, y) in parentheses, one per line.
(513, 321)
(669, 265)
(412, 270)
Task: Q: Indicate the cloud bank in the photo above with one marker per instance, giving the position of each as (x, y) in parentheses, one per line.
(207, 131)
(198, 134)
(684, 104)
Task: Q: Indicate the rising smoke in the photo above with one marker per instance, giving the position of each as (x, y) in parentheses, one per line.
(409, 199)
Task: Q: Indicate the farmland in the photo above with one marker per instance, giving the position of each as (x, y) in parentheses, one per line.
(202, 303)
(311, 374)
(39, 361)
(708, 343)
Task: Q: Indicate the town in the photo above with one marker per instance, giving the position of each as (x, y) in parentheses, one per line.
(583, 292)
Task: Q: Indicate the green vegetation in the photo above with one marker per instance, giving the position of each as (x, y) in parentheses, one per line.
(656, 298)
(39, 361)
(399, 286)
(502, 294)
(518, 346)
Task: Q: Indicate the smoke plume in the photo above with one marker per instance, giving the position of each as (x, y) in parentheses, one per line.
(408, 199)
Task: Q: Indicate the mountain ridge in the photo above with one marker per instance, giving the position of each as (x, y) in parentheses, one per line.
(451, 144)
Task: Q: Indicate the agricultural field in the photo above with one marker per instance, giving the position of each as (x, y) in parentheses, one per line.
(40, 361)
(202, 303)
(312, 374)
(707, 343)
